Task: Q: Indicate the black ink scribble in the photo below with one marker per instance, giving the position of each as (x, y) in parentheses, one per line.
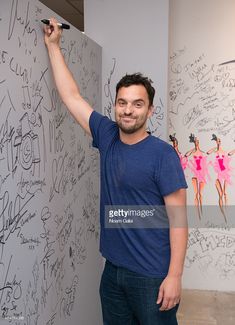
(175, 110)
(108, 92)
(3, 180)
(65, 232)
(51, 320)
(31, 300)
(3, 60)
(25, 22)
(13, 211)
(225, 265)
(23, 146)
(12, 106)
(11, 292)
(19, 70)
(58, 168)
(6, 135)
(56, 138)
(35, 130)
(67, 302)
(37, 96)
(27, 27)
(45, 85)
(13, 18)
(192, 115)
(5, 279)
(27, 100)
(201, 248)
(45, 288)
(156, 120)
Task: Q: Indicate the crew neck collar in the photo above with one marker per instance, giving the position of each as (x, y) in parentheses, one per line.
(136, 143)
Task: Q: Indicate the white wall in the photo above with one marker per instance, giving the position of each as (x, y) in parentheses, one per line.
(50, 265)
(134, 38)
(202, 101)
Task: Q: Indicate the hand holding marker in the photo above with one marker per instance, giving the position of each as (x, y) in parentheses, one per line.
(61, 25)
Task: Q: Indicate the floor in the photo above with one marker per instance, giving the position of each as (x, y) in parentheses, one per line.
(206, 308)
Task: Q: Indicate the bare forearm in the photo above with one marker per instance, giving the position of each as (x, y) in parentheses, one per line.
(170, 289)
(178, 242)
(177, 214)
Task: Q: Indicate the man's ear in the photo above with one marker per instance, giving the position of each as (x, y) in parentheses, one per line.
(151, 110)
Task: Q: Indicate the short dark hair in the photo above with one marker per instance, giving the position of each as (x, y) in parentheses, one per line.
(137, 79)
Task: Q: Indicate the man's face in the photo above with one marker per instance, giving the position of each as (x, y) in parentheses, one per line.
(132, 108)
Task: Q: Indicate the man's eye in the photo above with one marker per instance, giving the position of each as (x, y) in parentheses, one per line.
(138, 104)
(121, 104)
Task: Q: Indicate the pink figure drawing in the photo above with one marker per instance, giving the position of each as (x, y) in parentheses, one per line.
(223, 170)
(175, 144)
(199, 167)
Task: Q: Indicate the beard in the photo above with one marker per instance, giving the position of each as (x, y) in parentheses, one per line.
(130, 129)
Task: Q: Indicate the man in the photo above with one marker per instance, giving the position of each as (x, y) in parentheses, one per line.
(141, 282)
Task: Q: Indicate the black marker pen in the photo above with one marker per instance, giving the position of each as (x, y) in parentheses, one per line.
(61, 25)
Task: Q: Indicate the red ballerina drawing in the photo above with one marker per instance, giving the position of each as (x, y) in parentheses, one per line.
(199, 167)
(175, 144)
(223, 171)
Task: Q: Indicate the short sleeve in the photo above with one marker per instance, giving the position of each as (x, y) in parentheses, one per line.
(170, 176)
(102, 130)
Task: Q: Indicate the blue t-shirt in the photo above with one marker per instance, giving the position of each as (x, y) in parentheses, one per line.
(137, 174)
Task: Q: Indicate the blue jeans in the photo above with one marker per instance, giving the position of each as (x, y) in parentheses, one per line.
(128, 298)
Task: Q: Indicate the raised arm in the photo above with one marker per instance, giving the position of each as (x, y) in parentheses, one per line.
(65, 83)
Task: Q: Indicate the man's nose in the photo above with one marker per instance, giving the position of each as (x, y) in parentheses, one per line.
(128, 109)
